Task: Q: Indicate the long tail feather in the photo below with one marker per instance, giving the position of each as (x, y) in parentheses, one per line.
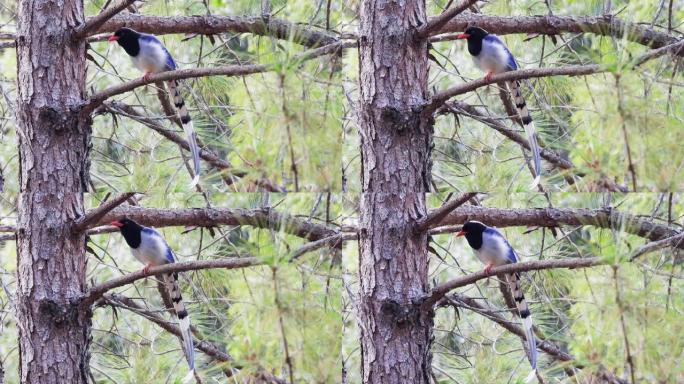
(524, 311)
(185, 119)
(526, 118)
(171, 281)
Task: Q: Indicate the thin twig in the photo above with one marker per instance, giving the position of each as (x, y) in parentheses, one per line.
(618, 301)
(94, 215)
(440, 213)
(623, 125)
(334, 241)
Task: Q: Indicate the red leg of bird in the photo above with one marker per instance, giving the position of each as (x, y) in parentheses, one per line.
(488, 75)
(488, 268)
(146, 76)
(146, 268)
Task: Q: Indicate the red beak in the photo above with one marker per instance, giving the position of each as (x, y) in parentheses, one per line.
(117, 224)
(460, 36)
(113, 38)
(459, 234)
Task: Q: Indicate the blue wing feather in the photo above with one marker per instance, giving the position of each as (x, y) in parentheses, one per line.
(494, 39)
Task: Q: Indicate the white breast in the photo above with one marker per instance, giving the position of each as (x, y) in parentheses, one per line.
(151, 57)
(493, 250)
(493, 57)
(152, 250)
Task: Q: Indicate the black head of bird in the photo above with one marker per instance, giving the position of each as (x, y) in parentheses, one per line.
(127, 39)
(472, 230)
(130, 230)
(474, 35)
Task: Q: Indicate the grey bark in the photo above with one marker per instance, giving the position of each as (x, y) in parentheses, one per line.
(53, 147)
(395, 146)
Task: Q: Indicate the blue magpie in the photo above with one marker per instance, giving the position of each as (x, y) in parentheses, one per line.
(491, 55)
(150, 56)
(493, 250)
(150, 248)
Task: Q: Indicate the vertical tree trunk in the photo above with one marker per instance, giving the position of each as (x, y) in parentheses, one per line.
(53, 148)
(396, 144)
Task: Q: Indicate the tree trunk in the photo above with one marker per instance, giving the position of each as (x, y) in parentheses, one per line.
(396, 143)
(53, 146)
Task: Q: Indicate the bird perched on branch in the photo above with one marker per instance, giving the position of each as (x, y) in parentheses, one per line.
(150, 248)
(491, 55)
(150, 56)
(493, 250)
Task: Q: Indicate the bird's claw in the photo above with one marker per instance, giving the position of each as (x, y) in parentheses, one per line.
(146, 76)
(488, 269)
(146, 269)
(488, 76)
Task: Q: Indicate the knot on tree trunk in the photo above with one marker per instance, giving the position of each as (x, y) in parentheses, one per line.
(403, 119)
(63, 119)
(62, 314)
(407, 314)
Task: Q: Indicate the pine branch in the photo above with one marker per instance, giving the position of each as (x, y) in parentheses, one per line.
(556, 217)
(440, 213)
(441, 290)
(97, 291)
(572, 70)
(94, 215)
(211, 25)
(96, 22)
(555, 25)
(438, 22)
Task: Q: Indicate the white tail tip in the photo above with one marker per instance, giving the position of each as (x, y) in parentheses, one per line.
(532, 376)
(535, 182)
(190, 377)
(194, 181)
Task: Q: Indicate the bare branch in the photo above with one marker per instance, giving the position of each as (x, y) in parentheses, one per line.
(470, 111)
(94, 215)
(229, 174)
(95, 22)
(211, 25)
(674, 241)
(676, 49)
(555, 217)
(555, 25)
(553, 350)
(440, 213)
(210, 217)
(227, 70)
(438, 22)
(208, 348)
(441, 290)
(466, 302)
(334, 241)
(97, 291)
(572, 70)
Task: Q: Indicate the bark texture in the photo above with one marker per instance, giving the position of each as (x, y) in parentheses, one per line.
(53, 147)
(396, 143)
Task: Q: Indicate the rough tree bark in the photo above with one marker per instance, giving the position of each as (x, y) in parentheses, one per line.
(395, 146)
(53, 148)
